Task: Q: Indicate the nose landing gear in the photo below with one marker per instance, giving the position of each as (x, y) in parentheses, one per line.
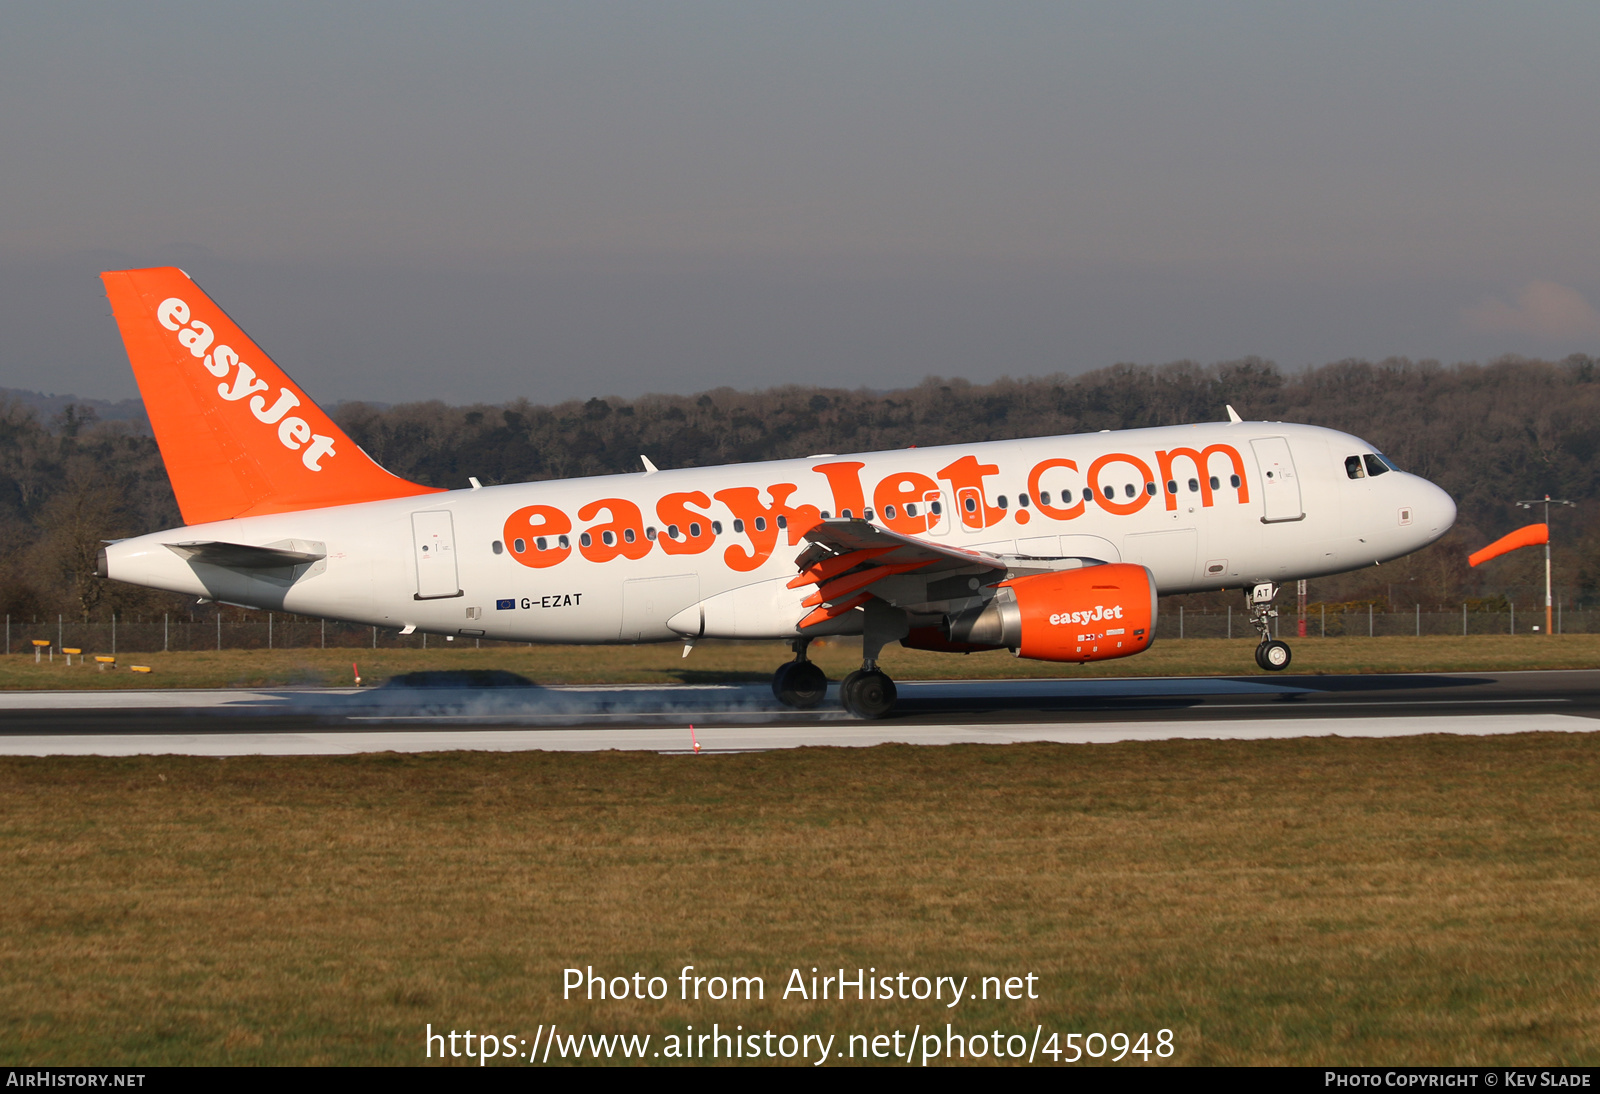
(1272, 654)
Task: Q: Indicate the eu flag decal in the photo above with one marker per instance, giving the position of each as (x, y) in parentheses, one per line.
(504, 605)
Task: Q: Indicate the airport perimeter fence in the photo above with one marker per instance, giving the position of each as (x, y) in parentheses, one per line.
(184, 633)
(1372, 623)
(273, 630)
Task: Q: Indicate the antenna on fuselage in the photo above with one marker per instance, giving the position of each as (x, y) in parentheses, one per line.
(1233, 415)
(649, 468)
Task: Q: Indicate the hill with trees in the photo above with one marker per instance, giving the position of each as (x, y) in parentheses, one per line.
(1489, 434)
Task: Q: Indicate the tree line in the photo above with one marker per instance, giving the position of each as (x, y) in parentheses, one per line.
(1489, 434)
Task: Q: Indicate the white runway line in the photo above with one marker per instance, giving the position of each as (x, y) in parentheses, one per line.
(758, 738)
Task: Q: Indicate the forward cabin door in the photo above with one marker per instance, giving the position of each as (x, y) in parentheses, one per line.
(1280, 486)
(433, 539)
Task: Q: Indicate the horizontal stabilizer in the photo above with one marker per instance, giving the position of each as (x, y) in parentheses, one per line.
(242, 556)
(1529, 536)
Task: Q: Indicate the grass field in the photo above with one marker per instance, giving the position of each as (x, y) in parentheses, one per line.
(1414, 900)
(754, 661)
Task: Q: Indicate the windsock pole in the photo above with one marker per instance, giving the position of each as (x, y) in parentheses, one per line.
(1547, 501)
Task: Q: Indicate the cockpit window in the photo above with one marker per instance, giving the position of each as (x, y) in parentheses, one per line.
(1352, 467)
(1376, 465)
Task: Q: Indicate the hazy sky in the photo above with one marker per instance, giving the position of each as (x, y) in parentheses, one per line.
(482, 201)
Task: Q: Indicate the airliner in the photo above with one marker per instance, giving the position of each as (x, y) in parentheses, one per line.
(1055, 548)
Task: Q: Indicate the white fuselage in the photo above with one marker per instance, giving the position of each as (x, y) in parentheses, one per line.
(1283, 506)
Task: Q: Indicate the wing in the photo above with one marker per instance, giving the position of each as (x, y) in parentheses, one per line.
(845, 557)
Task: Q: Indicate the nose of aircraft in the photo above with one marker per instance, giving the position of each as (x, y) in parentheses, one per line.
(1436, 510)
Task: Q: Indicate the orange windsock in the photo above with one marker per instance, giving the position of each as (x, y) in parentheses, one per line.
(1531, 536)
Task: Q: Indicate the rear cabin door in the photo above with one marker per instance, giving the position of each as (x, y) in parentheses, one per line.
(1280, 486)
(433, 540)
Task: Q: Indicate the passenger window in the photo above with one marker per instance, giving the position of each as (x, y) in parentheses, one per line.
(540, 543)
(1001, 501)
(1194, 486)
(496, 547)
(1172, 486)
(1233, 480)
(564, 541)
(1375, 466)
(937, 508)
(716, 527)
(911, 509)
(1216, 483)
(519, 545)
(1150, 488)
(738, 526)
(1352, 467)
(1044, 497)
(694, 530)
(627, 534)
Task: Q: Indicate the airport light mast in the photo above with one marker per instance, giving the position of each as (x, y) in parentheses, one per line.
(1547, 501)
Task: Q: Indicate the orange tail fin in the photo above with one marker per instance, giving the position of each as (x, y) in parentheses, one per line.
(239, 437)
(1530, 535)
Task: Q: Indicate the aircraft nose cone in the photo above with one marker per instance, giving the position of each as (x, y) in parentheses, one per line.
(1438, 511)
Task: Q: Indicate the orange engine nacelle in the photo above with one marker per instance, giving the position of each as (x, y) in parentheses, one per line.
(1092, 614)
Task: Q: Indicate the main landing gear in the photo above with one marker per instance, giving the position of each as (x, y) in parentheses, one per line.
(868, 692)
(1272, 654)
(799, 683)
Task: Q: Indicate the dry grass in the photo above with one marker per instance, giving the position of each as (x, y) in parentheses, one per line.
(1418, 900)
(754, 661)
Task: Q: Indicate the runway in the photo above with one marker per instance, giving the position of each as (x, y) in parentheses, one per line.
(744, 717)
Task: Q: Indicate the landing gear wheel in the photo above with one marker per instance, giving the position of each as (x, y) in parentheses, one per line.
(1273, 656)
(799, 684)
(868, 694)
(780, 678)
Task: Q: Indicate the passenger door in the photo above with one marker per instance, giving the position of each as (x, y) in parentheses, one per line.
(1280, 486)
(433, 541)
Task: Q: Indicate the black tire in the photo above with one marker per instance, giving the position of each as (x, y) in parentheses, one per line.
(780, 680)
(1273, 656)
(868, 694)
(802, 687)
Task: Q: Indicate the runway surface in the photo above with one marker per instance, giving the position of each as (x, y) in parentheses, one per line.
(744, 717)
